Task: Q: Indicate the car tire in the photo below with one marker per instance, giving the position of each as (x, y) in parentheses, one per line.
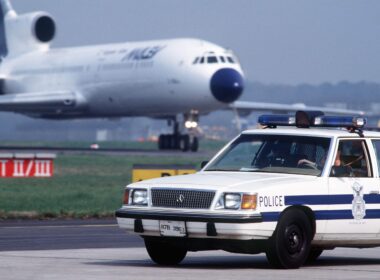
(314, 255)
(289, 247)
(163, 253)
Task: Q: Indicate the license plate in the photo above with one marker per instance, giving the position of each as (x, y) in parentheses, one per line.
(173, 228)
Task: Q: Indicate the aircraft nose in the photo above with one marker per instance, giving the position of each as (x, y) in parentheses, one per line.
(227, 85)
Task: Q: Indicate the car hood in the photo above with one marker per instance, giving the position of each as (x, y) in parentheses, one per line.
(217, 180)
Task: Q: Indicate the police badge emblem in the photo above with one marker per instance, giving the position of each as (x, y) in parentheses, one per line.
(358, 203)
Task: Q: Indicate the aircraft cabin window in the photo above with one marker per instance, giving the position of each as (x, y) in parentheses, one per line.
(196, 60)
(212, 59)
(202, 60)
(222, 59)
(230, 59)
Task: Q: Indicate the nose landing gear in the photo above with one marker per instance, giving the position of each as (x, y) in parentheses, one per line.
(178, 141)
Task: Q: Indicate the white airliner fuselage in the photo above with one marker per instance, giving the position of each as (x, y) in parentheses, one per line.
(178, 79)
(155, 78)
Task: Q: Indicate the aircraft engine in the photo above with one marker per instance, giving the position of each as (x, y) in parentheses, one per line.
(30, 31)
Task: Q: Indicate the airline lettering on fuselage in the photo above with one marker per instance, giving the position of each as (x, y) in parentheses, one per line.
(142, 53)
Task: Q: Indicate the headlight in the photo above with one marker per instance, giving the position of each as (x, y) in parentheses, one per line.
(140, 197)
(237, 201)
(232, 201)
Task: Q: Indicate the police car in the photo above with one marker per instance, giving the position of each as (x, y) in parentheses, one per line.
(290, 192)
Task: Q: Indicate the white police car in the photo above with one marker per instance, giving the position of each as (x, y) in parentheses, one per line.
(288, 192)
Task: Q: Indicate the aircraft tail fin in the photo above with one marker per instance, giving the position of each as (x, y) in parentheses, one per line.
(5, 9)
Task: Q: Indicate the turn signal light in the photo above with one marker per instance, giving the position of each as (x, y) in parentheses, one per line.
(249, 201)
(126, 197)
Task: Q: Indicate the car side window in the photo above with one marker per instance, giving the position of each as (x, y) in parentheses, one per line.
(351, 160)
(376, 146)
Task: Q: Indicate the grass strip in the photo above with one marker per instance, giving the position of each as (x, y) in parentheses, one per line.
(84, 186)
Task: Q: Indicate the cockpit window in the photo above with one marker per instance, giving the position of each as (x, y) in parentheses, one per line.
(212, 59)
(230, 59)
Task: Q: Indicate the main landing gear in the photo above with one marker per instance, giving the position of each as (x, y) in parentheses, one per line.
(178, 141)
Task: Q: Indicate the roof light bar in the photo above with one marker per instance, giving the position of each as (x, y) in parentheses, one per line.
(304, 119)
(340, 121)
(277, 120)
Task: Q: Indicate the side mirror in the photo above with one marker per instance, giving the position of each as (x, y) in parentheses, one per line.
(204, 163)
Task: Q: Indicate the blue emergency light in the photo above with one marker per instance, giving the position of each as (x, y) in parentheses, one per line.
(277, 120)
(305, 119)
(340, 121)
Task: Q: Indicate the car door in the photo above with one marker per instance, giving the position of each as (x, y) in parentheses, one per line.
(353, 193)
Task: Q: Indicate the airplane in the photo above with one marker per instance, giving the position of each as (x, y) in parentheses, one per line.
(177, 79)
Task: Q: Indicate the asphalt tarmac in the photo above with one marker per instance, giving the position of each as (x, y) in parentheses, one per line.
(97, 249)
(59, 235)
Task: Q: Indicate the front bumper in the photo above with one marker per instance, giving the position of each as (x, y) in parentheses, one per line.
(188, 217)
(198, 224)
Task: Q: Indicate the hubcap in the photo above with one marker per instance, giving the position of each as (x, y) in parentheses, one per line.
(294, 239)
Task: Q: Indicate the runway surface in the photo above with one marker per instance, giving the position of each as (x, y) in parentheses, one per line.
(58, 235)
(99, 250)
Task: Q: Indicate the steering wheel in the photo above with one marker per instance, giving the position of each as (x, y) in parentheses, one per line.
(308, 165)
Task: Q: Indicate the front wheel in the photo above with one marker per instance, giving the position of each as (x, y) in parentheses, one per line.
(163, 253)
(289, 247)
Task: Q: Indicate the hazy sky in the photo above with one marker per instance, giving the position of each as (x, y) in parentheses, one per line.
(277, 41)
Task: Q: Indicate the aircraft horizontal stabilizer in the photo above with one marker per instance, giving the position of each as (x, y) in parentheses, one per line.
(246, 107)
(48, 102)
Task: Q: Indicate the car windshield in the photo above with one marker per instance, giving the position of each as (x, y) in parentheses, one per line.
(305, 155)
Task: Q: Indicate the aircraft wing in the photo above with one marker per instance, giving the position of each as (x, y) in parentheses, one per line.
(38, 102)
(244, 108)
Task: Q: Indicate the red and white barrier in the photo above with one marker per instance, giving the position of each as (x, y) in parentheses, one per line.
(26, 165)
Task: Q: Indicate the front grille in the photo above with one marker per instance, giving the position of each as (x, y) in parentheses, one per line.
(182, 198)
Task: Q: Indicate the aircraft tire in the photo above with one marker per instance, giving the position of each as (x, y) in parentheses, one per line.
(194, 145)
(184, 143)
(161, 142)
